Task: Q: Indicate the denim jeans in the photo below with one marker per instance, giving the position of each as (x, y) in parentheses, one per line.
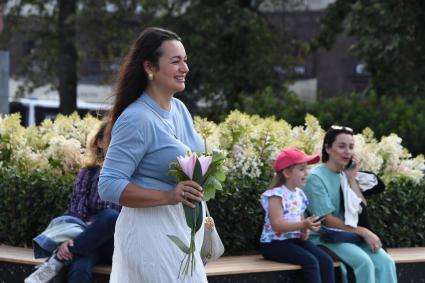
(94, 245)
(317, 266)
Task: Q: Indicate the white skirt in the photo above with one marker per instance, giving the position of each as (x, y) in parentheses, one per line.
(144, 253)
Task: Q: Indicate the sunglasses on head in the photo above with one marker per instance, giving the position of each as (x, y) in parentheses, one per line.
(341, 128)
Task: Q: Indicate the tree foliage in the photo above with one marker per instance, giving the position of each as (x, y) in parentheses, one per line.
(59, 39)
(34, 22)
(390, 39)
(232, 49)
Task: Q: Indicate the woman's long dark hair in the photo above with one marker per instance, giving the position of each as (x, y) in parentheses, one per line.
(132, 78)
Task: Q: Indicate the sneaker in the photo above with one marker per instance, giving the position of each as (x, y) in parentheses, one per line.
(45, 272)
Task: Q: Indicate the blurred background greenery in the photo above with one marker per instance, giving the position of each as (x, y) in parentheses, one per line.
(353, 62)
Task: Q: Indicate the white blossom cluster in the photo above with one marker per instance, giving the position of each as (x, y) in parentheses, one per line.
(54, 145)
(246, 163)
(368, 153)
(252, 143)
(67, 151)
(249, 142)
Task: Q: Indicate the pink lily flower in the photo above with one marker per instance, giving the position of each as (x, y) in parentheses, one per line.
(205, 162)
(187, 163)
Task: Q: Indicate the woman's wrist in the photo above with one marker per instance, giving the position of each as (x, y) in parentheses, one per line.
(351, 179)
(169, 198)
(361, 231)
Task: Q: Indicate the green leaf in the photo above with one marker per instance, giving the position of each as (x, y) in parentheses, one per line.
(199, 218)
(220, 176)
(180, 176)
(197, 173)
(210, 187)
(218, 157)
(190, 216)
(193, 216)
(179, 243)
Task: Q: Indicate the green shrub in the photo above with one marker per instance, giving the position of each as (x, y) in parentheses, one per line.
(384, 115)
(38, 167)
(238, 215)
(281, 104)
(28, 201)
(397, 215)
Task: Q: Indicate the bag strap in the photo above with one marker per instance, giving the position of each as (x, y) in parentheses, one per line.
(209, 221)
(206, 209)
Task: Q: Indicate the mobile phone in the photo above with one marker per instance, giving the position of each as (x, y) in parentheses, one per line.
(319, 219)
(350, 164)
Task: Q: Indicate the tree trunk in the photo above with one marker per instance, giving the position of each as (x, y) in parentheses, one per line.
(67, 69)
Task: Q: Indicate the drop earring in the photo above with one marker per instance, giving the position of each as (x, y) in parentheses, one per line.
(150, 76)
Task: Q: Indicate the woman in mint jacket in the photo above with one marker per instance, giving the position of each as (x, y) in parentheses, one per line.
(368, 260)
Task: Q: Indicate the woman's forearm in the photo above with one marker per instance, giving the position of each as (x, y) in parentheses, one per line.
(136, 197)
(355, 187)
(335, 222)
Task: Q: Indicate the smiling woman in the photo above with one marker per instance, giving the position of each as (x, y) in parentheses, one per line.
(150, 129)
(168, 76)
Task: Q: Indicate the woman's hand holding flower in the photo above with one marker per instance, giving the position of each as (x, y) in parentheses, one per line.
(186, 192)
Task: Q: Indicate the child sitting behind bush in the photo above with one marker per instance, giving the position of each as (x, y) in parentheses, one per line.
(285, 232)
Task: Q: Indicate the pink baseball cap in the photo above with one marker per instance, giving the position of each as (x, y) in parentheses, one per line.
(290, 156)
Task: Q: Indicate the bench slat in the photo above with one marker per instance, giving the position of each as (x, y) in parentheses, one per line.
(227, 265)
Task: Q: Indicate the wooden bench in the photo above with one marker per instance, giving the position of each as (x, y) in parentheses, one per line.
(225, 266)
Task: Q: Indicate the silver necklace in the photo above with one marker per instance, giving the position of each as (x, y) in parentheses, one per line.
(160, 117)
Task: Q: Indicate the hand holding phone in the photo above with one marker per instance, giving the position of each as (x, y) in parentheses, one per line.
(350, 164)
(310, 223)
(319, 219)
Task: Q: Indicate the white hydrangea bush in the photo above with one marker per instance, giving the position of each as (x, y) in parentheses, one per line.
(249, 142)
(56, 145)
(252, 143)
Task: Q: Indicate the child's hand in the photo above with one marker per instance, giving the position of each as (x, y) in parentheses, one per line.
(305, 233)
(309, 223)
(63, 252)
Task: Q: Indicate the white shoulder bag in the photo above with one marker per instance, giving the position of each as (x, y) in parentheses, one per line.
(212, 247)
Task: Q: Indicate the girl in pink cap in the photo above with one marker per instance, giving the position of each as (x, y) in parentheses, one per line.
(285, 232)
